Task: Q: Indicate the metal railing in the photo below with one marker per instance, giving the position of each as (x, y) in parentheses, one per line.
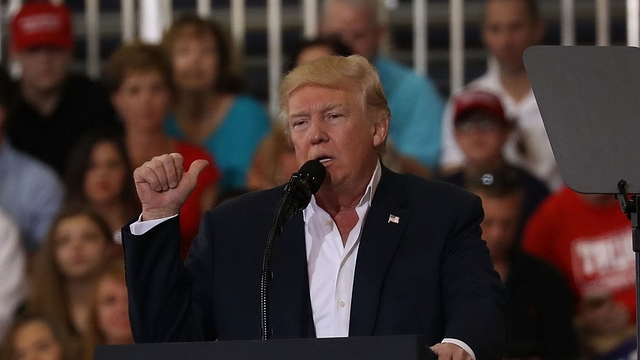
(153, 16)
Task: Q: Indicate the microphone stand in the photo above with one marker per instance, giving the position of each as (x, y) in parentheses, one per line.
(302, 196)
(274, 231)
(295, 197)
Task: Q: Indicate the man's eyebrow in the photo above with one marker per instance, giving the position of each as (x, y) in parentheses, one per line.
(331, 106)
(323, 108)
(300, 113)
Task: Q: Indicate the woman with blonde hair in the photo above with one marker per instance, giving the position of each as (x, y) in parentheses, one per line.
(77, 248)
(108, 320)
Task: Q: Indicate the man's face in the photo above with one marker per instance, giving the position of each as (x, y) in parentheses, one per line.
(195, 63)
(355, 26)
(142, 100)
(500, 224)
(332, 126)
(44, 68)
(481, 137)
(508, 30)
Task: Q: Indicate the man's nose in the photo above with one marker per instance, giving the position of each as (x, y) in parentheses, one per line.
(317, 134)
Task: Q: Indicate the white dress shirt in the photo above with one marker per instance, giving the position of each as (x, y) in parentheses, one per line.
(332, 265)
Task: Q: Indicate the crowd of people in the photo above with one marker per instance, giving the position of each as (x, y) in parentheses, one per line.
(69, 147)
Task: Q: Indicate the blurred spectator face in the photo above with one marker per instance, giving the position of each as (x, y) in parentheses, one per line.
(355, 26)
(500, 224)
(80, 247)
(35, 341)
(314, 52)
(508, 30)
(142, 100)
(195, 63)
(44, 68)
(481, 137)
(113, 311)
(105, 178)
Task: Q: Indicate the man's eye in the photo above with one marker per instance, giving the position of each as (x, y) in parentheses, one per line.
(298, 123)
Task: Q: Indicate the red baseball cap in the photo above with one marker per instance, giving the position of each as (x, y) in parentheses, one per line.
(42, 23)
(474, 100)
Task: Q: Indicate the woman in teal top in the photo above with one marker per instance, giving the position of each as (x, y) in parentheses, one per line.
(208, 108)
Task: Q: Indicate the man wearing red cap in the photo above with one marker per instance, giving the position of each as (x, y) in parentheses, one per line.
(509, 27)
(54, 107)
(481, 130)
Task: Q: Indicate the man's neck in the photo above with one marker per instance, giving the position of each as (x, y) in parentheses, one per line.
(45, 101)
(334, 203)
(345, 197)
(515, 83)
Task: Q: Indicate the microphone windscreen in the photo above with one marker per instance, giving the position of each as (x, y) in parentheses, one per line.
(316, 172)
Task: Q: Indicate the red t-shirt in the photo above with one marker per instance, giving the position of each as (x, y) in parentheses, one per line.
(191, 212)
(591, 244)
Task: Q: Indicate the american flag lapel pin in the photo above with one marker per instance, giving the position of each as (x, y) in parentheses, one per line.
(393, 219)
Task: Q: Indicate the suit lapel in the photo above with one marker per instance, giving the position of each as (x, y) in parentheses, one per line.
(289, 300)
(383, 229)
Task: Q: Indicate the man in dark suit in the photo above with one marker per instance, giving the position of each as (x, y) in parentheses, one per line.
(374, 252)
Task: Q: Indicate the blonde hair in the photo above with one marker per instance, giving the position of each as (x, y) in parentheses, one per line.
(352, 73)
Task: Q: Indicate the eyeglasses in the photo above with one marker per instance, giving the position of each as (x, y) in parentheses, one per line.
(483, 125)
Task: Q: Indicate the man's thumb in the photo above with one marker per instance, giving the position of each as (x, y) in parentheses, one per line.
(197, 167)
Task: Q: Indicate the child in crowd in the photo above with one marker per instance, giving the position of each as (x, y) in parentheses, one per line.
(481, 130)
(109, 310)
(79, 245)
(34, 336)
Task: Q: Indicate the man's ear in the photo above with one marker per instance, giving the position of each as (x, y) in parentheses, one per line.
(381, 130)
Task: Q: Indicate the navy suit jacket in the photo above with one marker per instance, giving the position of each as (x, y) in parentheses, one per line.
(430, 273)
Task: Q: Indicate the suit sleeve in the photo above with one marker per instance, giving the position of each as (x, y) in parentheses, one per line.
(474, 298)
(168, 301)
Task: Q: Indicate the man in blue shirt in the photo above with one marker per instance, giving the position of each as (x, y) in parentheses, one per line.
(30, 191)
(416, 105)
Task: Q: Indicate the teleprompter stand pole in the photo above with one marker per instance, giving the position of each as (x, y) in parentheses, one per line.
(631, 208)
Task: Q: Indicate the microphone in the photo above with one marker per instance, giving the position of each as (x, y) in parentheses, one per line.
(297, 193)
(295, 197)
